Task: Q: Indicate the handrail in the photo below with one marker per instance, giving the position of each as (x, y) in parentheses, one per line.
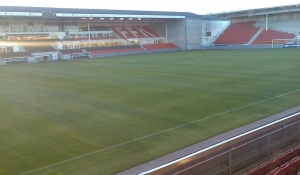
(220, 143)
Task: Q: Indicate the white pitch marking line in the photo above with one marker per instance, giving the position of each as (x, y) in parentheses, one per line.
(157, 133)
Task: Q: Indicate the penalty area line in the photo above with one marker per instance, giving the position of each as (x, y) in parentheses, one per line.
(157, 133)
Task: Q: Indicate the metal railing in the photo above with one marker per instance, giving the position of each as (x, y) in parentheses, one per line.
(233, 155)
(245, 154)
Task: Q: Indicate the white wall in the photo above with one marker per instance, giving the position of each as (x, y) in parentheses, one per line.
(194, 33)
(176, 32)
(216, 29)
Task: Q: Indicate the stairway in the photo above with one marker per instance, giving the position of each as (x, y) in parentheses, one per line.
(255, 35)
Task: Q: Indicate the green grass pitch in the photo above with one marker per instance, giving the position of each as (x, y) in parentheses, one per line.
(102, 116)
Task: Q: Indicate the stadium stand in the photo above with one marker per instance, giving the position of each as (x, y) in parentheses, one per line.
(75, 38)
(71, 51)
(95, 28)
(91, 38)
(127, 32)
(112, 49)
(115, 50)
(104, 42)
(160, 47)
(266, 36)
(14, 54)
(237, 33)
(37, 46)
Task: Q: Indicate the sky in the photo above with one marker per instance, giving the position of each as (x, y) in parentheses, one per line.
(195, 6)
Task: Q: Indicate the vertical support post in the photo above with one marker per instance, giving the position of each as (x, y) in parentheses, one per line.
(166, 28)
(269, 147)
(185, 34)
(230, 160)
(281, 130)
(89, 31)
(267, 21)
(272, 43)
(298, 128)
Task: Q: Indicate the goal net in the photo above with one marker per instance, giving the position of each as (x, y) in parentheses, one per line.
(4, 61)
(15, 60)
(35, 59)
(286, 42)
(80, 55)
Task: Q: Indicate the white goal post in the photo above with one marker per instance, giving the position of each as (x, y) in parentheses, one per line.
(294, 42)
(2, 61)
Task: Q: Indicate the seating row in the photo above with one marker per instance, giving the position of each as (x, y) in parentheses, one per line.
(243, 32)
(289, 168)
(277, 163)
(160, 46)
(238, 33)
(134, 32)
(266, 37)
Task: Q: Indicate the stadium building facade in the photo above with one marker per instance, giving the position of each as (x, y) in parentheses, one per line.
(42, 34)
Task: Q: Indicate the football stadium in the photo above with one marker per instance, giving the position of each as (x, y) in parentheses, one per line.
(91, 91)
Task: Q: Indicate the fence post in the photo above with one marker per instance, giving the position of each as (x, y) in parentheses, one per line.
(298, 132)
(230, 160)
(280, 136)
(269, 147)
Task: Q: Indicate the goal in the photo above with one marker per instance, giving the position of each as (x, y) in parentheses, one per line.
(286, 42)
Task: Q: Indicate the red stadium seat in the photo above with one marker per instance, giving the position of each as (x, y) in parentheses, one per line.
(274, 171)
(286, 157)
(253, 171)
(265, 168)
(280, 171)
(298, 163)
(160, 46)
(293, 168)
(280, 159)
(274, 163)
(262, 169)
(291, 153)
(297, 150)
(127, 32)
(284, 169)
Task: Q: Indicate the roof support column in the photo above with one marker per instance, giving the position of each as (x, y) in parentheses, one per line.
(267, 21)
(166, 27)
(89, 31)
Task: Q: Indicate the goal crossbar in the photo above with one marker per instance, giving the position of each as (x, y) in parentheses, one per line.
(285, 41)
